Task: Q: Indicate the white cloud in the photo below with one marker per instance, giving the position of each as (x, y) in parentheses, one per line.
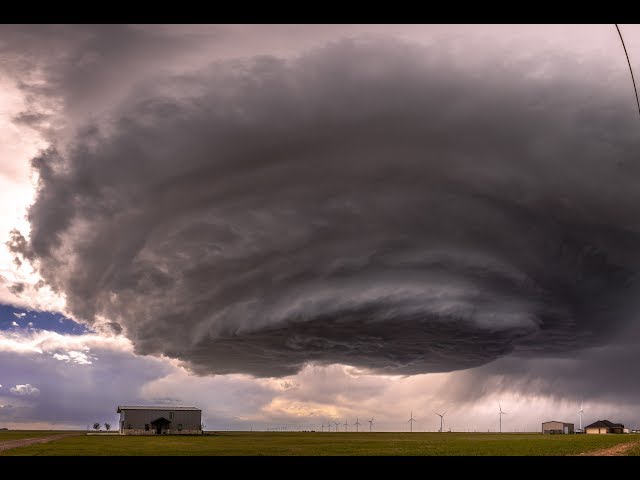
(30, 324)
(19, 315)
(74, 356)
(14, 324)
(45, 341)
(18, 144)
(27, 390)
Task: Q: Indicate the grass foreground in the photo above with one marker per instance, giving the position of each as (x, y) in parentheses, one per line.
(295, 443)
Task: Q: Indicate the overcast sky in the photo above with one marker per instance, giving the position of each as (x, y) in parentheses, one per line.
(291, 224)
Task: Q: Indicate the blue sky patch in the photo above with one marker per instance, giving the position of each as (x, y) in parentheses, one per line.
(12, 318)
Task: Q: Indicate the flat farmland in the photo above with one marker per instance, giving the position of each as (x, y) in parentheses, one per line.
(323, 444)
(8, 435)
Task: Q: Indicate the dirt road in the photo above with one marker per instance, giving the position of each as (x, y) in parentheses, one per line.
(615, 451)
(23, 442)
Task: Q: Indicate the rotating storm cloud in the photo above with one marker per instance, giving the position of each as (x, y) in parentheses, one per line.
(371, 203)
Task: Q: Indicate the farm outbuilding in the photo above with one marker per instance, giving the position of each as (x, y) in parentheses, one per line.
(604, 426)
(554, 426)
(165, 420)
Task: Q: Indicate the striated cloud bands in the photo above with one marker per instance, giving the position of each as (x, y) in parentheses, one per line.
(370, 203)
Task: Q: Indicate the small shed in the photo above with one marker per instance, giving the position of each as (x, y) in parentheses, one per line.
(555, 426)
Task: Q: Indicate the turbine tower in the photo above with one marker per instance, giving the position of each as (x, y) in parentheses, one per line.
(411, 420)
(501, 413)
(346, 425)
(337, 424)
(322, 427)
(370, 423)
(357, 424)
(441, 419)
(581, 412)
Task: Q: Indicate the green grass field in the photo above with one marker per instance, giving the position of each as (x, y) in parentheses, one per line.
(285, 443)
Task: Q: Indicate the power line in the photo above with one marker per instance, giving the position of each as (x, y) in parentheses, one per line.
(630, 69)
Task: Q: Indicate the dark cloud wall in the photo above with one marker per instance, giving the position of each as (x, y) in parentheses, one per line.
(68, 73)
(574, 375)
(371, 203)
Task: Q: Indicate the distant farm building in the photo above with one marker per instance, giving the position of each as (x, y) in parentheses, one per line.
(557, 427)
(604, 426)
(141, 420)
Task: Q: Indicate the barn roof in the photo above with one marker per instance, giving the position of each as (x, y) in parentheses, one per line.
(605, 423)
(164, 408)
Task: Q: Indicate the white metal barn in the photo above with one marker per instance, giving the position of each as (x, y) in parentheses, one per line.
(165, 420)
(554, 426)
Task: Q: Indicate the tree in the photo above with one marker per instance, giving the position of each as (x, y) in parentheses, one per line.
(96, 426)
(107, 426)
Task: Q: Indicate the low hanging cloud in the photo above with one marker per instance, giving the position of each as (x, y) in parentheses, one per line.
(370, 203)
(27, 390)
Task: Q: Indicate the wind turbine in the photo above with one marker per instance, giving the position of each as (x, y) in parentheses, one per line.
(411, 420)
(322, 427)
(370, 423)
(337, 424)
(441, 419)
(357, 424)
(501, 413)
(346, 425)
(581, 412)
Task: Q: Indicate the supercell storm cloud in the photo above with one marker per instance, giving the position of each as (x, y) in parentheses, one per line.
(370, 203)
